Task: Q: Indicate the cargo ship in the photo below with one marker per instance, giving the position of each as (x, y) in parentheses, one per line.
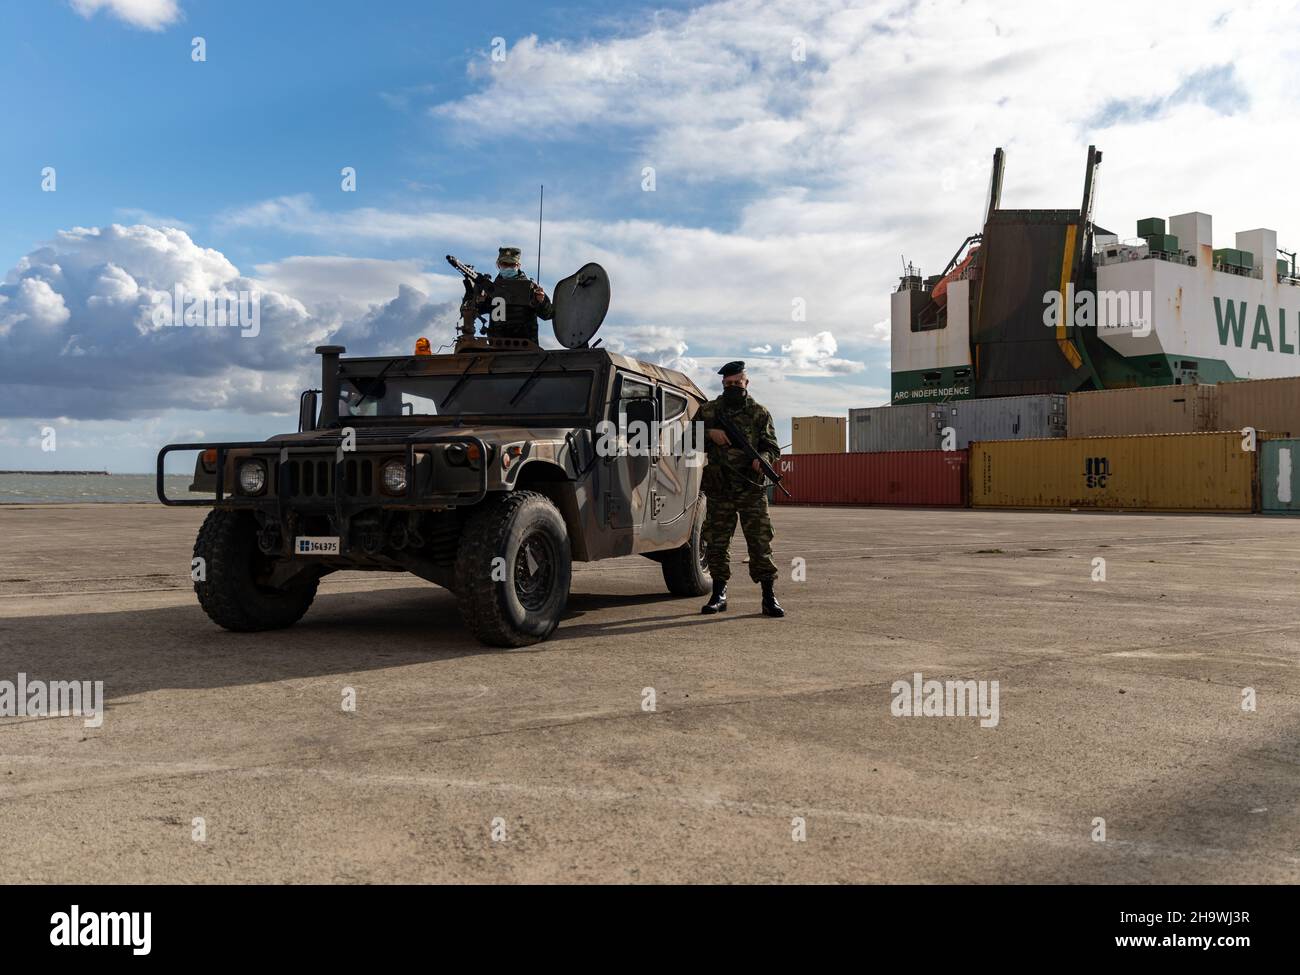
(1046, 301)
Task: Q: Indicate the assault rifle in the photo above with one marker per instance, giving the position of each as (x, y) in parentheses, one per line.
(738, 439)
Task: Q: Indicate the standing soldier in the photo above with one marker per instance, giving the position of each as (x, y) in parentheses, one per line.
(735, 488)
(516, 302)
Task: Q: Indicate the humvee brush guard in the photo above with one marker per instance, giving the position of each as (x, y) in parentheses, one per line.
(476, 470)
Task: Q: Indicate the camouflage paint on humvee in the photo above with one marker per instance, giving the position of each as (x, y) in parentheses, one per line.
(477, 470)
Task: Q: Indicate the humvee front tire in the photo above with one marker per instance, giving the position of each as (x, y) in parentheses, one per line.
(685, 572)
(513, 570)
(230, 591)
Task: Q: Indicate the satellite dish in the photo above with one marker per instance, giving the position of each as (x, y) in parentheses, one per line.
(581, 301)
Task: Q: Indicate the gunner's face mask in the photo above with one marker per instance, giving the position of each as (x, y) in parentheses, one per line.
(509, 272)
(733, 393)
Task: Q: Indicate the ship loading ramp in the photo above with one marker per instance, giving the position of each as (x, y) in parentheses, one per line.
(1025, 256)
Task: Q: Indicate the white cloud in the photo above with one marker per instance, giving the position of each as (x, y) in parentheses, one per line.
(32, 301)
(650, 340)
(393, 327)
(663, 275)
(814, 355)
(145, 14)
(137, 215)
(112, 286)
(815, 177)
(653, 343)
(78, 337)
(805, 379)
(355, 283)
(878, 144)
(875, 148)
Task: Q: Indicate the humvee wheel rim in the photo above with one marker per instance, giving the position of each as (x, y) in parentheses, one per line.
(535, 571)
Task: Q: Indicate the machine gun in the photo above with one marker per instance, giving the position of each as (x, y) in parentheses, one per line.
(478, 287)
(738, 439)
(475, 281)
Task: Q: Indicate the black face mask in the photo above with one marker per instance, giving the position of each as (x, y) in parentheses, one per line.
(733, 394)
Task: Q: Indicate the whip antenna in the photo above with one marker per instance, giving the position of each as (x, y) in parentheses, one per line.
(541, 195)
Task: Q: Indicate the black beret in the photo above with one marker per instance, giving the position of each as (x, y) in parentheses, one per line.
(731, 368)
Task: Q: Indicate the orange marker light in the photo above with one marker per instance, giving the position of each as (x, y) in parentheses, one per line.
(210, 458)
(422, 346)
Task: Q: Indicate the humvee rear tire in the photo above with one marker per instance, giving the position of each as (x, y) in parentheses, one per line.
(685, 572)
(523, 604)
(230, 592)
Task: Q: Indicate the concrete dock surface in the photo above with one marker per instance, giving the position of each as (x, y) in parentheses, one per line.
(773, 753)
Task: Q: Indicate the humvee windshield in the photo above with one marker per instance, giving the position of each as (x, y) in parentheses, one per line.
(565, 392)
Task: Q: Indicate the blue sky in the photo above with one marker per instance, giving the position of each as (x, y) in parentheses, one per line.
(779, 180)
(288, 95)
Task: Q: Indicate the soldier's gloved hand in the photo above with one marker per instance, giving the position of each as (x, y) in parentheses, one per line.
(720, 438)
(539, 296)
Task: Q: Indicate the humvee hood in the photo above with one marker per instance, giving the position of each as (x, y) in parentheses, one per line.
(487, 432)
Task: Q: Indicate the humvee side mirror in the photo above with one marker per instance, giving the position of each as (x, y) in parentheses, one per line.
(307, 410)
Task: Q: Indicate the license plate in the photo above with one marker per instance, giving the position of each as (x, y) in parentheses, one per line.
(316, 545)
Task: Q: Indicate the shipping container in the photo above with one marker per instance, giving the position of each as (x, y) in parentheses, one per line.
(927, 478)
(1144, 409)
(1166, 472)
(999, 418)
(924, 426)
(1279, 476)
(1234, 257)
(817, 434)
(1162, 243)
(1265, 404)
(877, 428)
(1151, 225)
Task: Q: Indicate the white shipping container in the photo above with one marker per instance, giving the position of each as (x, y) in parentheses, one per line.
(1000, 418)
(879, 428)
(921, 426)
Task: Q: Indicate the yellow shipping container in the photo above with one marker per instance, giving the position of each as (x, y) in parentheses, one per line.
(1143, 409)
(1162, 472)
(818, 434)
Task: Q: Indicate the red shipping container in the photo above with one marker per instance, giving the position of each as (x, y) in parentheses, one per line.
(928, 478)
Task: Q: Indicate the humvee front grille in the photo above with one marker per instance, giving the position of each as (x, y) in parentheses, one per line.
(313, 477)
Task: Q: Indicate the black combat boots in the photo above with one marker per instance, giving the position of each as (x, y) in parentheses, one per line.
(770, 606)
(718, 601)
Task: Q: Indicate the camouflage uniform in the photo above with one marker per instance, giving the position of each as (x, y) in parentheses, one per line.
(518, 318)
(735, 490)
(522, 309)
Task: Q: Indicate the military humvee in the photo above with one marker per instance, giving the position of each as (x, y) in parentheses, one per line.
(477, 470)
